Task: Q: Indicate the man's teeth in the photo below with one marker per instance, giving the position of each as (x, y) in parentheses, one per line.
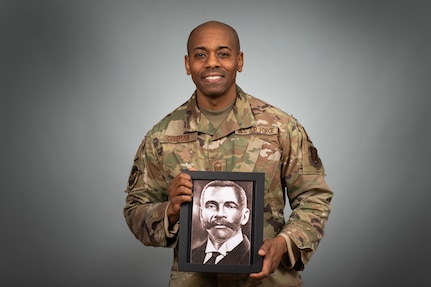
(213, 77)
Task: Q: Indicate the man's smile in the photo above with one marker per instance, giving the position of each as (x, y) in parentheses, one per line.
(212, 78)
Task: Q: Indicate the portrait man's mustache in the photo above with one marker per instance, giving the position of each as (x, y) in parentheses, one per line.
(219, 222)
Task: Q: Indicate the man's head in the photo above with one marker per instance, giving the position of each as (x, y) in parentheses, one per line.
(213, 59)
(223, 209)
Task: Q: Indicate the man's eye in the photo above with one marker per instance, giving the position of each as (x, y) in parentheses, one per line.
(223, 54)
(199, 55)
(210, 205)
(231, 206)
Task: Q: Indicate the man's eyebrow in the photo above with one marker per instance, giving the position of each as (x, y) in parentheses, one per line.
(211, 202)
(206, 49)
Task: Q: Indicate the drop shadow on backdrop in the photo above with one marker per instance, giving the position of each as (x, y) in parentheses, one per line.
(83, 82)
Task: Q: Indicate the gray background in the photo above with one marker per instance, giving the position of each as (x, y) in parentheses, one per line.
(83, 81)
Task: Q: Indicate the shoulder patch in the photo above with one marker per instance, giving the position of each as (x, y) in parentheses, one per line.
(314, 158)
(158, 146)
(134, 175)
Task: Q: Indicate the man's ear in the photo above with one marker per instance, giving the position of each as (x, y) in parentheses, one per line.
(245, 216)
(187, 65)
(240, 60)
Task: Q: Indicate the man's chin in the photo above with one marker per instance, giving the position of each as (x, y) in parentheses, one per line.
(213, 91)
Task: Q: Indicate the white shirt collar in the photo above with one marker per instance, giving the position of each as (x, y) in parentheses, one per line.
(226, 247)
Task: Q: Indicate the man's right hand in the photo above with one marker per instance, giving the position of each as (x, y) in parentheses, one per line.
(180, 191)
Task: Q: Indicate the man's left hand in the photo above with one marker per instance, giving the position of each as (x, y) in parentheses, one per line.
(272, 250)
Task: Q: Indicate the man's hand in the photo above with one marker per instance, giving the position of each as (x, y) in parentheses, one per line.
(180, 191)
(272, 251)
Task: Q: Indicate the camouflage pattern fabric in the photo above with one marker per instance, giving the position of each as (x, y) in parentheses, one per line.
(255, 137)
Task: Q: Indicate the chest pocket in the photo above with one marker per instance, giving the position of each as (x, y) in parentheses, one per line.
(179, 152)
(262, 153)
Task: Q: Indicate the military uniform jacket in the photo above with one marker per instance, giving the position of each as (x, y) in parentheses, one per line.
(255, 137)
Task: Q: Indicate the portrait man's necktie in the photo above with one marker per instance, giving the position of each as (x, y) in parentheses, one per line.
(213, 258)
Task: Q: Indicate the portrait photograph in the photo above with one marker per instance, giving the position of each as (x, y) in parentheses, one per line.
(221, 229)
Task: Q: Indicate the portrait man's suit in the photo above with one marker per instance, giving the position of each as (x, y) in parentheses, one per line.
(240, 255)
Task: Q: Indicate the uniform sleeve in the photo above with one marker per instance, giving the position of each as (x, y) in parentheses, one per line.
(147, 198)
(309, 196)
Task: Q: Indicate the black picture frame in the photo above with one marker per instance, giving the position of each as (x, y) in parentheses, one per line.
(192, 233)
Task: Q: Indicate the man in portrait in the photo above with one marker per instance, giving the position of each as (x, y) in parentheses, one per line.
(223, 212)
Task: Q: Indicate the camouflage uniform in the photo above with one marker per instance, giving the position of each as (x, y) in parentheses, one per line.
(255, 137)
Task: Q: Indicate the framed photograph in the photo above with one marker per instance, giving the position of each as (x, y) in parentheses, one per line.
(221, 230)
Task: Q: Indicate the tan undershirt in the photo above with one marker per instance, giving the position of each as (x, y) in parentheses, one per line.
(216, 117)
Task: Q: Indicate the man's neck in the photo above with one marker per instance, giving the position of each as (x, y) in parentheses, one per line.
(216, 102)
(216, 117)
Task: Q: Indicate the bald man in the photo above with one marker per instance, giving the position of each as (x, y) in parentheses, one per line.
(222, 128)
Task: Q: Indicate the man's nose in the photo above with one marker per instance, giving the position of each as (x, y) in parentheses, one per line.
(212, 61)
(221, 212)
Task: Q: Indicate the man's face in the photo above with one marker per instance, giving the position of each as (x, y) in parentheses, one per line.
(213, 60)
(222, 214)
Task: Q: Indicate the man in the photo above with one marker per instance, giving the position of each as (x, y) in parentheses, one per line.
(222, 128)
(223, 211)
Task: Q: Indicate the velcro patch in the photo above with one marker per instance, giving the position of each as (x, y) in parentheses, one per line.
(258, 130)
(179, 138)
(314, 158)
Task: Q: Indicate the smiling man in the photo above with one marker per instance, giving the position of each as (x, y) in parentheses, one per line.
(223, 211)
(213, 60)
(222, 128)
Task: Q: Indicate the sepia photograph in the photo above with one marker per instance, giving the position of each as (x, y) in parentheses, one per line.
(221, 226)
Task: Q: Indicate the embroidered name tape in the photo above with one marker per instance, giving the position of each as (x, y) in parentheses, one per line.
(180, 138)
(258, 130)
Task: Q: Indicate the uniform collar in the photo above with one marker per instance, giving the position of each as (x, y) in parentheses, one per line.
(240, 117)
